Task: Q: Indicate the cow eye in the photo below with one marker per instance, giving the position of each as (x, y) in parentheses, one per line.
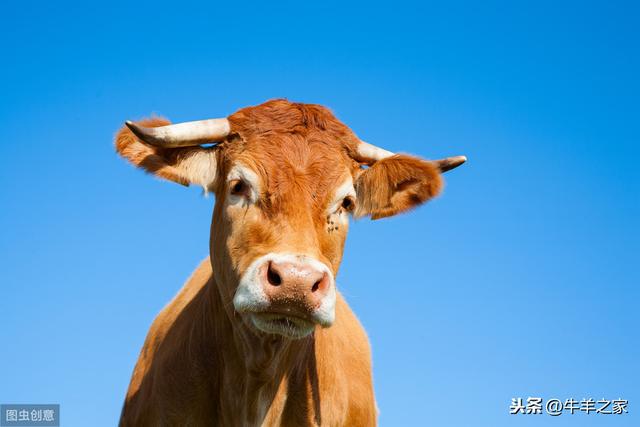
(348, 204)
(238, 187)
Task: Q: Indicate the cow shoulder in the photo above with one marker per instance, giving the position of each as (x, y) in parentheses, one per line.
(145, 402)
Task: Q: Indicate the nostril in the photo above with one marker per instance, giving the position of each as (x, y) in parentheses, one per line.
(273, 277)
(321, 284)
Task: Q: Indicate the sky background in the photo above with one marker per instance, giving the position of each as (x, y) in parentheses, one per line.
(521, 280)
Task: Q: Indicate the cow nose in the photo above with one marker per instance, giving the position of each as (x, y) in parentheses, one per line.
(299, 281)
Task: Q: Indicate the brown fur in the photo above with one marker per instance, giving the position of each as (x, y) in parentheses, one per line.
(202, 363)
(396, 184)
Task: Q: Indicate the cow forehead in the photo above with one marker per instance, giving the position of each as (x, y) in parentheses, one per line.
(296, 150)
(289, 165)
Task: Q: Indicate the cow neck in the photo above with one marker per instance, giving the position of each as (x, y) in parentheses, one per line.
(250, 367)
(264, 357)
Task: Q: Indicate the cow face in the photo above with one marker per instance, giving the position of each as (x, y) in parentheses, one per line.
(287, 177)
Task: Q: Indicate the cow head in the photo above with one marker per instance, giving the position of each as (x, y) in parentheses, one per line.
(287, 177)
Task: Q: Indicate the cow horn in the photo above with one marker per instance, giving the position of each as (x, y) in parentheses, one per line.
(449, 163)
(369, 154)
(185, 134)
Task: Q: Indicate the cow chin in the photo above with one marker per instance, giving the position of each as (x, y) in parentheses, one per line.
(278, 324)
(290, 318)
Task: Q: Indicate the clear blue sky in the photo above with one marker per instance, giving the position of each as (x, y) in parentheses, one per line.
(521, 280)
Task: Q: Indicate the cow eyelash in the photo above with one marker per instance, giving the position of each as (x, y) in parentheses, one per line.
(238, 187)
(348, 204)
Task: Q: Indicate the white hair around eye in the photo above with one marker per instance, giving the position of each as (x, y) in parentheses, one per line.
(243, 185)
(338, 206)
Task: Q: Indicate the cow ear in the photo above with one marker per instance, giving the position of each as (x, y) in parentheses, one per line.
(395, 185)
(184, 165)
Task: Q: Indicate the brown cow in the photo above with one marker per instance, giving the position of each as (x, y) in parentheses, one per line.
(259, 334)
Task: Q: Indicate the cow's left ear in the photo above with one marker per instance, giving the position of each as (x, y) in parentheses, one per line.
(396, 184)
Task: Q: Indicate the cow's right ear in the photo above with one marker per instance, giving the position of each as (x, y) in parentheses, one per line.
(184, 165)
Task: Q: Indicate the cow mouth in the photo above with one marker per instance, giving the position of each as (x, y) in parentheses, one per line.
(282, 324)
